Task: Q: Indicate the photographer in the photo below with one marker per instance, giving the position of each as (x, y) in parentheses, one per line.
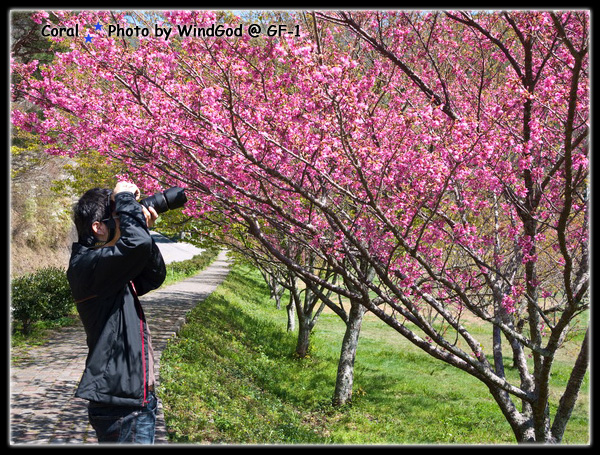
(114, 261)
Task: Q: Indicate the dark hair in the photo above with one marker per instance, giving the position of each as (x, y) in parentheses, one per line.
(92, 206)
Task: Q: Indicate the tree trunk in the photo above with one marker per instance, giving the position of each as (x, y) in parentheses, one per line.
(345, 374)
(304, 329)
(291, 317)
(567, 401)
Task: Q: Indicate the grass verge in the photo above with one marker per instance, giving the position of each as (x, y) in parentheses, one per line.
(230, 377)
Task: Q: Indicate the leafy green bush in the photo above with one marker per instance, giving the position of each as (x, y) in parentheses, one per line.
(42, 295)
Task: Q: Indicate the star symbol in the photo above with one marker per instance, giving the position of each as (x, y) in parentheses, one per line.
(88, 38)
(98, 26)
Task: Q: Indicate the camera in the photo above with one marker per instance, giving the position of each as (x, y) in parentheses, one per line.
(170, 199)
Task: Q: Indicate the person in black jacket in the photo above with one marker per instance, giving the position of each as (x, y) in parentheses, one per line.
(114, 261)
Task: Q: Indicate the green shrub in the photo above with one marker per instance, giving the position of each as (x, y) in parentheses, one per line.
(42, 295)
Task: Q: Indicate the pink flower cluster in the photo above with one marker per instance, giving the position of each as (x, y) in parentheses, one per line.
(336, 147)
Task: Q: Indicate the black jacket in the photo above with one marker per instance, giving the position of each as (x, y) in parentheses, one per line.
(118, 364)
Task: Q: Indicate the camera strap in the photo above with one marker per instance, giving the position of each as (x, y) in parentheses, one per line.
(112, 228)
(92, 242)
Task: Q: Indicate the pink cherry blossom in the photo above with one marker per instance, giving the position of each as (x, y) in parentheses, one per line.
(447, 152)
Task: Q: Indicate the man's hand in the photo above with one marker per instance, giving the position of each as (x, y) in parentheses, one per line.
(150, 215)
(126, 186)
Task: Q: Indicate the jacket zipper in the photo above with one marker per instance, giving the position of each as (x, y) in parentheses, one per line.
(140, 314)
(143, 359)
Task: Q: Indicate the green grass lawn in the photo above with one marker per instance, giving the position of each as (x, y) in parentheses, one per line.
(231, 377)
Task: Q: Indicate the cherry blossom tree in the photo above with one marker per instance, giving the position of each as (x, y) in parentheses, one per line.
(435, 162)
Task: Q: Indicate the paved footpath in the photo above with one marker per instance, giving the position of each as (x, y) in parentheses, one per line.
(43, 409)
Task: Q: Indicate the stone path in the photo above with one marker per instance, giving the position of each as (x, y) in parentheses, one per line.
(43, 409)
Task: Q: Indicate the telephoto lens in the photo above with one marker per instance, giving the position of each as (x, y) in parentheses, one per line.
(170, 199)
